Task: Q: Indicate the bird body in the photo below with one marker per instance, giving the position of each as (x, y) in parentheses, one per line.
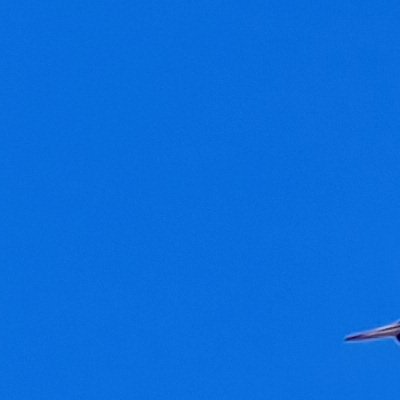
(391, 331)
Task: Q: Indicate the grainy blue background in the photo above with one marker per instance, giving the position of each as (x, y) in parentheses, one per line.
(199, 199)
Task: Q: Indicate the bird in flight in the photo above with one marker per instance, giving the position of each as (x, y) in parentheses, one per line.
(391, 331)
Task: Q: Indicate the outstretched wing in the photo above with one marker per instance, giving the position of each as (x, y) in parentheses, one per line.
(389, 331)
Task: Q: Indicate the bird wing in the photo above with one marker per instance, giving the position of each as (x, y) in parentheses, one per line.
(388, 331)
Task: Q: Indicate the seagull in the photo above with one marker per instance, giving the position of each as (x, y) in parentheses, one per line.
(391, 331)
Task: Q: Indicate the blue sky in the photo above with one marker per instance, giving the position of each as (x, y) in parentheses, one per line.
(199, 199)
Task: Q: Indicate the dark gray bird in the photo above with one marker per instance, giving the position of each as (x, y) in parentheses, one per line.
(391, 331)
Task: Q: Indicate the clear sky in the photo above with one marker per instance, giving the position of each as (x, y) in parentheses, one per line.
(199, 199)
